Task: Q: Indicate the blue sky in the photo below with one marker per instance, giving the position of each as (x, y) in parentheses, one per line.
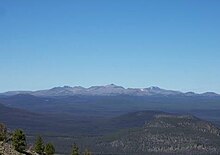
(134, 43)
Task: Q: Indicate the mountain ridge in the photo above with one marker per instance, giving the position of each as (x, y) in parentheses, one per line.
(107, 90)
(168, 134)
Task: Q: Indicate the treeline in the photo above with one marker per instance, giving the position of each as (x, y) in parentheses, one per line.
(18, 141)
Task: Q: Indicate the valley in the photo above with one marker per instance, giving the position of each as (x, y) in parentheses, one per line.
(103, 123)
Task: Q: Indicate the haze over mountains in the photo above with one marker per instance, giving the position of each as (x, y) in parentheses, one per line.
(108, 90)
(112, 118)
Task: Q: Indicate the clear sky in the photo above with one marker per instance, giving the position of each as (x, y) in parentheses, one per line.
(173, 44)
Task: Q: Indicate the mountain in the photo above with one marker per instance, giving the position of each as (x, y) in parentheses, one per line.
(50, 124)
(114, 105)
(19, 118)
(108, 90)
(15, 115)
(134, 119)
(131, 132)
(173, 134)
(210, 94)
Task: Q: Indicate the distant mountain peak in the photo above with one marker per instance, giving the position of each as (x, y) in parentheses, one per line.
(77, 87)
(108, 90)
(154, 88)
(113, 86)
(67, 87)
(210, 94)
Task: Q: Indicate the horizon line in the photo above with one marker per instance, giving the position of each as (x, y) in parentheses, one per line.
(62, 86)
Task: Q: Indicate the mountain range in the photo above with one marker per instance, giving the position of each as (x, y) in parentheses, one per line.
(114, 119)
(108, 90)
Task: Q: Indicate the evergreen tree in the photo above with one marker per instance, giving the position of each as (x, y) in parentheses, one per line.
(87, 152)
(19, 140)
(3, 132)
(49, 149)
(39, 145)
(75, 150)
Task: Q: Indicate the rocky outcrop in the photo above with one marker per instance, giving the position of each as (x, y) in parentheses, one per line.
(7, 149)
